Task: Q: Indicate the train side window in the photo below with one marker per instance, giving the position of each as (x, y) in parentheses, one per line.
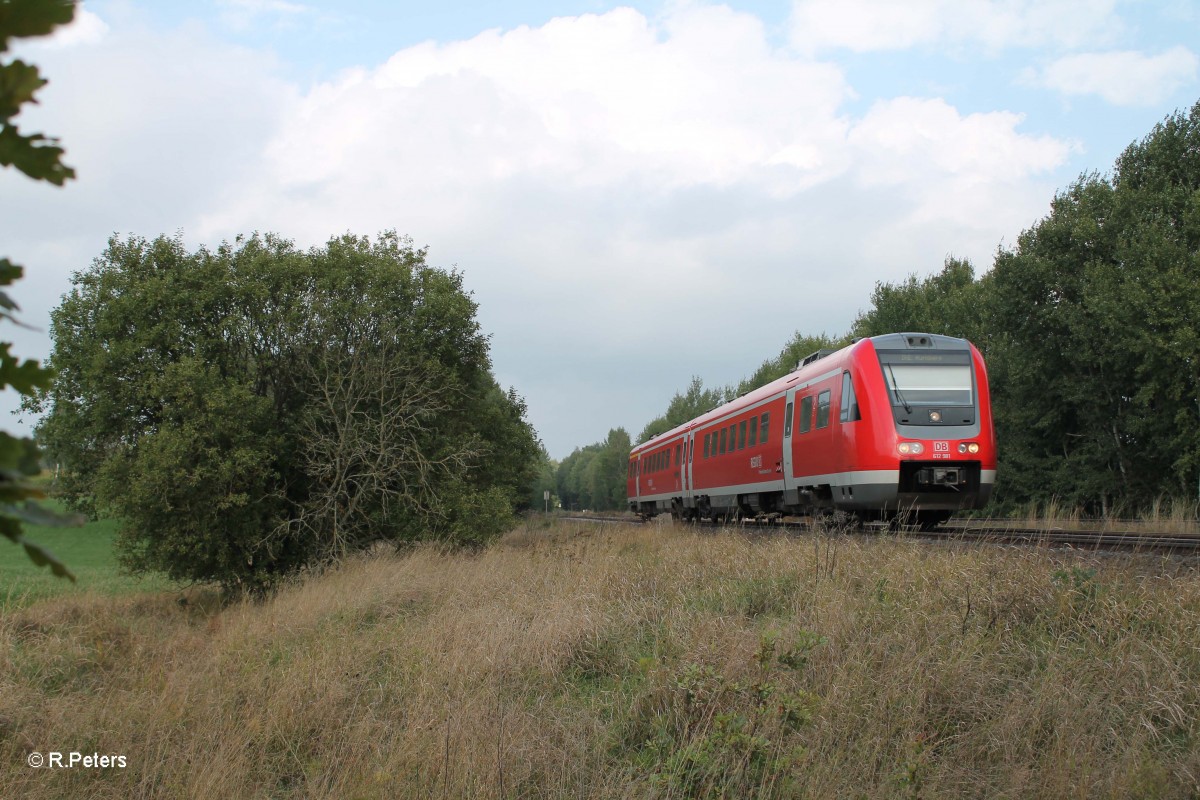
(806, 414)
(764, 430)
(677, 450)
(753, 432)
(707, 438)
(724, 439)
(823, 409)
(849, 401)
(787, 421)
(733, 437)
(742, 435)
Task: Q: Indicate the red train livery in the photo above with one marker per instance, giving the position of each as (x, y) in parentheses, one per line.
(892, 427)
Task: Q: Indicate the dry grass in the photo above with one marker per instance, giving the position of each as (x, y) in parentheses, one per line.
(619, 661)
(1165, 515)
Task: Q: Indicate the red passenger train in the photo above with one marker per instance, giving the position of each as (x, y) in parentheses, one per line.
(894, 427)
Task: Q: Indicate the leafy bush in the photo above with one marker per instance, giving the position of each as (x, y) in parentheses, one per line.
(256, 409)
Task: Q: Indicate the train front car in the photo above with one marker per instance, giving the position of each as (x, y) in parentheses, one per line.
(929, 448)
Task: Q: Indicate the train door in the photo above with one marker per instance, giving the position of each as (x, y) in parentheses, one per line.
(687, 470)
(677, 467)
(789, 414)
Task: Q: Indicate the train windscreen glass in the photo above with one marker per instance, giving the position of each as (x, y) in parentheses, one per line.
(928, 379)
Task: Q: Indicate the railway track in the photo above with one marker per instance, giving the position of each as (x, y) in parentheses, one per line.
(995, 531)
(1082, 539)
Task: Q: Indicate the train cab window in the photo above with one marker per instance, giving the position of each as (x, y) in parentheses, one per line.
(707, 438)
(806, 414)
(724, 439)
(787, 421)
(742, 435)
(849, 401)
(764, 430)
(753, 432)
(823, 409)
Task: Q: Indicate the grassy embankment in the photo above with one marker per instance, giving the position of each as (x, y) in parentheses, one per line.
(622, 661)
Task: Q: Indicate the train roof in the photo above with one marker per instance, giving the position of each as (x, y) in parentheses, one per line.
(810, 366)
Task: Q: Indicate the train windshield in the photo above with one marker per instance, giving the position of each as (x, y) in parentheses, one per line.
(928, 379)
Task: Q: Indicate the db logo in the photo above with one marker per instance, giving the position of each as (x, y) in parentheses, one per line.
(941, 447)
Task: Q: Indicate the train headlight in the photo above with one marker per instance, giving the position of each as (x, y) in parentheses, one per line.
(935, 416)
(968, 447)
(911, 448)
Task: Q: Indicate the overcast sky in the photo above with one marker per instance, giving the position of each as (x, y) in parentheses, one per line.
(635, 193)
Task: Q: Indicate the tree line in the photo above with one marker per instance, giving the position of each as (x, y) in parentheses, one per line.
(1090, 326)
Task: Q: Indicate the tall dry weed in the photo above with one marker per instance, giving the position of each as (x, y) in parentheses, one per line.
(616, 661)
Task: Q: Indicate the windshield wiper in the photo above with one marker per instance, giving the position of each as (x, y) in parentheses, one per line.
(896, 389)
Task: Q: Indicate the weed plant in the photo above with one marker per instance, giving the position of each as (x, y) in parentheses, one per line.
(576, 660)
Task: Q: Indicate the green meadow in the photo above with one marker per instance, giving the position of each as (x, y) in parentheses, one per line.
(87, 550)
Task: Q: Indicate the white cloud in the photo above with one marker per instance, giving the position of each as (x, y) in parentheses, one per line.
(592, 99)
(908, 140)
(871, 25)
(243, 15)
(1123, 78)
(613, 186)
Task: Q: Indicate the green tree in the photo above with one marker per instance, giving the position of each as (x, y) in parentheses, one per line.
(797, 348)
(948, 302)
(39, 157)
(545, 480)
(594, 477)
(693, 402)
(255, 409)
(1096, 356)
